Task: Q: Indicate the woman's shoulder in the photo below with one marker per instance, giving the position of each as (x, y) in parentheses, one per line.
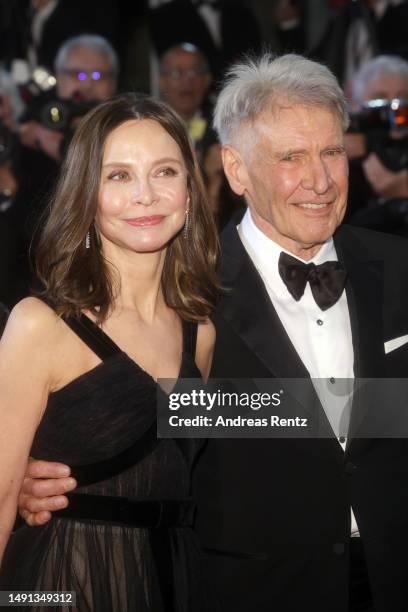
(33, 318)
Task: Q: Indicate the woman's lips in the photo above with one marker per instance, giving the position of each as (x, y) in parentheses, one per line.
(145, 221)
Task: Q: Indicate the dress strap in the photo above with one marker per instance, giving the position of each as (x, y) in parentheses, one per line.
(93, 336)
(189, 337)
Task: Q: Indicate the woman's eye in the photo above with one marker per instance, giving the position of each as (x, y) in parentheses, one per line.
(119, 176)
(167, 172)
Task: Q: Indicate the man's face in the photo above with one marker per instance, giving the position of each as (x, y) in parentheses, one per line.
(87, 76)
(184, 81)
(295, 176)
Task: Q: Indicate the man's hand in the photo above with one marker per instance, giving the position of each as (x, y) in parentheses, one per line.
(6, 112)
(44, 486)
(33, 134)
(385, 183)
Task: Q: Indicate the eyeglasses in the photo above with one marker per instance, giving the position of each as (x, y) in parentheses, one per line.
(178, 73)
(88, 75)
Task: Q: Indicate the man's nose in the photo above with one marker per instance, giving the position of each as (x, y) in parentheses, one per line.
(84, 90)
(317, 177)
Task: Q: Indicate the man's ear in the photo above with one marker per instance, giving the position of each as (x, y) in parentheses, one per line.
(235, 169)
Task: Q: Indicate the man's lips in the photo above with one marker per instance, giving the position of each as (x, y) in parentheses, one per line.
(314, 207)
(145, 221)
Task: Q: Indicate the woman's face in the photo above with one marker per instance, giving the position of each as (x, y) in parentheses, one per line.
(143, 193)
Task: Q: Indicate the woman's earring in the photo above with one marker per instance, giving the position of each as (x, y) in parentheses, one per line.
(186, 224)
(88, 240)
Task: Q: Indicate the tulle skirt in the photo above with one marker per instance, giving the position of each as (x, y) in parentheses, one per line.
(109, 567)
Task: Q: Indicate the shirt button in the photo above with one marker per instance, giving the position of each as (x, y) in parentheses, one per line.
(342, 439)
(332, 380)
(350, 467)
(319, 322)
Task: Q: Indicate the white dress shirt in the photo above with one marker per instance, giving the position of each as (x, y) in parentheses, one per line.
(322, 339)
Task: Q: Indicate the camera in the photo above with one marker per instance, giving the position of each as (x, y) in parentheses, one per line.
(384, 115)
(57, 114)
(385, 126)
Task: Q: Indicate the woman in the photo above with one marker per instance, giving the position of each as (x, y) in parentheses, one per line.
(127, 260)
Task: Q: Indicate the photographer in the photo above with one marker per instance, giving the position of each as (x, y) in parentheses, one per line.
(86, 70)
(378, 145)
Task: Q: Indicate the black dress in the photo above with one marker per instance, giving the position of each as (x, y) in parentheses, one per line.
(125, 543)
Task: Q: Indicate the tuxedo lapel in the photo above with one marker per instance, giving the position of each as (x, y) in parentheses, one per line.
(247, 307)
(365, 301)
(364, 289)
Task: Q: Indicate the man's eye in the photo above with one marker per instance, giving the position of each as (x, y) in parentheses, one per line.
(334, 152)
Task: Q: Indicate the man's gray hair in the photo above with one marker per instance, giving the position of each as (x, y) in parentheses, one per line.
(96, 43)
(256, 84)
(372, 69)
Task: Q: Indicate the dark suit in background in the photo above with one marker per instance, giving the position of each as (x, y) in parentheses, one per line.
(179, 21)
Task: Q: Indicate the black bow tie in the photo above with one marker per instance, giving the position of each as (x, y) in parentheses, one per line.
(326, 280)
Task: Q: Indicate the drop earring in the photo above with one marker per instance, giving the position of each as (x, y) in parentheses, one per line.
(88, 240)
(186, 224)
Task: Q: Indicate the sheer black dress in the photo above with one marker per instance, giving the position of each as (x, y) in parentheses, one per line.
(125, 543)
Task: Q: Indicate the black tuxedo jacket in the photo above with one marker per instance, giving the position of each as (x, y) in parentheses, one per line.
(274, 514)
(389, 34)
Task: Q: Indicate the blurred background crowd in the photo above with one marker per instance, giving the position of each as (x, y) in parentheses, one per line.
(59, 58)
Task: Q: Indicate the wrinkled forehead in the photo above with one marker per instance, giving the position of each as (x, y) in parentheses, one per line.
(284, 123)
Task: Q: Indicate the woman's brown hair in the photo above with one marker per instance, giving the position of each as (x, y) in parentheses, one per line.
(76, 278)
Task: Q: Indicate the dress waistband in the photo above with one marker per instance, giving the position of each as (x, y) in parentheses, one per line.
(129, 511)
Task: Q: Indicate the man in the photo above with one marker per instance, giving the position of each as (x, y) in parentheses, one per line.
(275, 515)
(211, 25)
(185, 79)
(86, 69)
(374, 179)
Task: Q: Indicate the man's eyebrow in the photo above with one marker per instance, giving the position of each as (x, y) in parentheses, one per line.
(335, 147)
(284, 152)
